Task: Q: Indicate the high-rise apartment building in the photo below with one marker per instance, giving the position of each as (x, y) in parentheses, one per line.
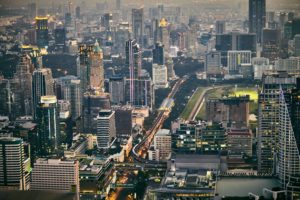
(47, 115)
(41, 27)
(55, 175)
(163, 143)
(14, 166)
(42, 85)
(137, 19)
(257, 17)
(269, 119)
(106, 128)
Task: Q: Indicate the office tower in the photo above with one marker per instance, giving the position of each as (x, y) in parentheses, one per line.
(117, 89)
(55, 175)
(123, 115)
(290, 65)
(68, 19)
(93, 102)
(295, 27)
(213, 63)
(269, 119)
(257, 17)
(32, 10)
(220, 27)
(232, 111)
(106, 128)
(23, 76)
(170, 68)
(239, 142)
(10, 98)
(70, 90)
(236, 59)
(163, 143)
(137, 24)
(134, 64)
(160, 76)
(236, 41)
(14, 167)
(47, 115)
(271, 39)
(42, 85)
(289, 141)
(77, 12)
(91, 70)
(163, 34)
(41, 27)
(158, 54)
(297, 45)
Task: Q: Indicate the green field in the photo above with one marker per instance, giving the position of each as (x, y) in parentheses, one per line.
(191, 103)
(232, 91)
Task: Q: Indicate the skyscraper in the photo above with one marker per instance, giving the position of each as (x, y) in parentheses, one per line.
(269, 119)
(14, 167)
(134, 64)
(41, 27)
(117, 89)
(42, 84)
(289, 141)
(297, 45)
(159, 76)
(271, 39)
(106, 128)
(163, 34)
(257, 17)
(137, 19)
(220, 27)
(47, 114)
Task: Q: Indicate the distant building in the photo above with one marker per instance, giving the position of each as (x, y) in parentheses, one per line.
(56, 175)
(233, 111)
(235, 41)
(257, 17)
(41, 27)
(93, 102)
(47, 115)
(15, 167)
(137, 18)
(158, 54)
(297, 45)
(239, 142)
(106, 128)
(170, 68)
(160, 76)
(117, 89)
(42, 85)
(162, 143)
(163, 34)
(236, 59)
(260, 66)
(271, 41)
(213, 63)
(220, 27)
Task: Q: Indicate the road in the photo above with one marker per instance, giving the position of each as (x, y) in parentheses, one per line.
(141, 149)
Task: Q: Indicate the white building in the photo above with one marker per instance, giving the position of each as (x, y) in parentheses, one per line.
(290, 65)
(106, 128)
(162, 143)
(213, 63)
(160, 76)
(55, 175)
(260, 66)
(236, 59)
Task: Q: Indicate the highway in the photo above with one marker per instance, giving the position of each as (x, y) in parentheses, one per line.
(140, 150)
